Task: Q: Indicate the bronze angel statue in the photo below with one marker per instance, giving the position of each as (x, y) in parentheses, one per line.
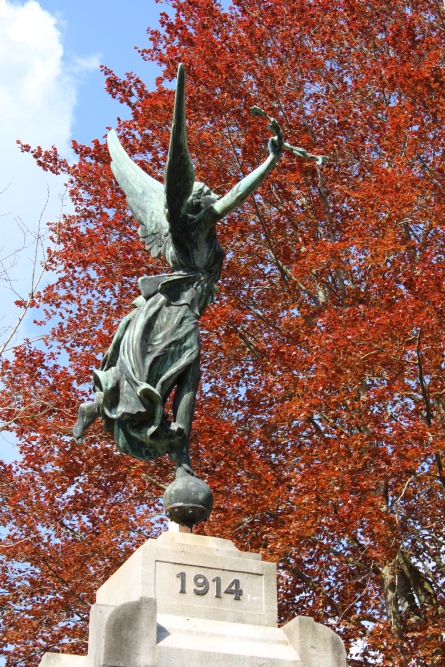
(155, 351)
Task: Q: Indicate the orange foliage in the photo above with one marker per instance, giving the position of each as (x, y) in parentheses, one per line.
(320, 419)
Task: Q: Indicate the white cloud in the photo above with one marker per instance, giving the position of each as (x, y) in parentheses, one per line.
(38, 89)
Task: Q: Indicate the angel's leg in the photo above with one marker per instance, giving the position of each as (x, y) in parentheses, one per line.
(183, 410)
(88, 412)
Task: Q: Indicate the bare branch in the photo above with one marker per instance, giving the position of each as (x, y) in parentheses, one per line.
(36, 274)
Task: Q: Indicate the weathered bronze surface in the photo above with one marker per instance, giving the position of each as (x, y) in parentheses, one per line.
(155, 352)
(188, 501)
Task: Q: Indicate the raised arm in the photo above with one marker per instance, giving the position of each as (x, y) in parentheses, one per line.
(237, 195)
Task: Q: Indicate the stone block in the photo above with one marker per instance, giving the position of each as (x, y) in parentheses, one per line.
(197, 576)
(130, 635)
(62, 660)
(187, 600)
(187, 642)
(316, 644)
(99, 614)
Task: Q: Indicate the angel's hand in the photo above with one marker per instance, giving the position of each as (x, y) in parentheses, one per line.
(276, 146)
(277, 142)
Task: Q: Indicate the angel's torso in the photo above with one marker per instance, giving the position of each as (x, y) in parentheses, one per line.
(193, 251)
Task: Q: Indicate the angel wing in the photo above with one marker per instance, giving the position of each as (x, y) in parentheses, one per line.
(145, 196)
(158, 208)
(179, 172)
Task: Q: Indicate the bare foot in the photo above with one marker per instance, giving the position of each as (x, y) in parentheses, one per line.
(88, 412)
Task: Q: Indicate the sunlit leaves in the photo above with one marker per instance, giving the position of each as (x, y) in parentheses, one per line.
(320, 419)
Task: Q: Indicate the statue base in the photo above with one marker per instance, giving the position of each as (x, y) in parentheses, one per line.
(188, 501)
(187, 600)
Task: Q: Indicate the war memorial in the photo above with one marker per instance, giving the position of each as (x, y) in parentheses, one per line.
(182, 600)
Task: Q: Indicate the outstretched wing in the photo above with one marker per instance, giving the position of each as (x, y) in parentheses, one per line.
(145, 196)
(179, 172)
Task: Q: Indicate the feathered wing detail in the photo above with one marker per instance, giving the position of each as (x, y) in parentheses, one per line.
(179, 172)
(145, 196)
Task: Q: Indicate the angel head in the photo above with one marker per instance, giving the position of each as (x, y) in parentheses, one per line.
(201, 197)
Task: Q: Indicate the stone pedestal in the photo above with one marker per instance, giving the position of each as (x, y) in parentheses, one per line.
(185, 600)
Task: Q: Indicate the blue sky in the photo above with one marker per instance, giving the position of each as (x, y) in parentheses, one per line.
(110, 32)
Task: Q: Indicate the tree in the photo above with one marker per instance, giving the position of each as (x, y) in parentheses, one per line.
(12, 265)
(320, 422)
